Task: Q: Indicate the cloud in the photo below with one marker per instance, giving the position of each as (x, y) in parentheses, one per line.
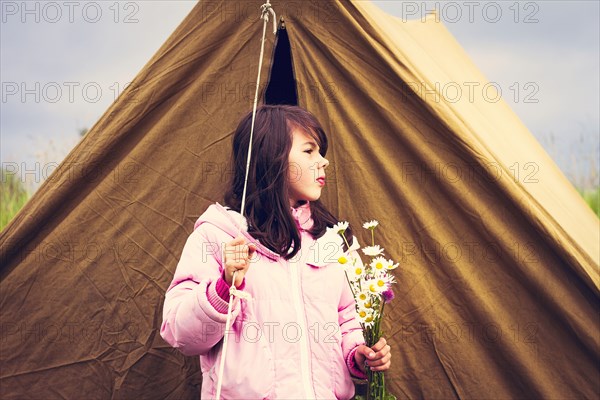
(59, 77)
(541, 51)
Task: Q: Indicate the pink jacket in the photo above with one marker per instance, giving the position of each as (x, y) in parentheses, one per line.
(294, 338)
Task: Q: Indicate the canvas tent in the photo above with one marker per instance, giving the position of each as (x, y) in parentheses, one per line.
(498, 284)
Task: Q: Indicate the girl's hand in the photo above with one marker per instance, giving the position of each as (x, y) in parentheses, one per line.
(377, 357)
(237, 258)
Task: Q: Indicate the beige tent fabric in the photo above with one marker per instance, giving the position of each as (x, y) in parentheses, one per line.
(498, 284)
(493, 131)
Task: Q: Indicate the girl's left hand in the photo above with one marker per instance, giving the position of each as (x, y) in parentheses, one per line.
(377, 357)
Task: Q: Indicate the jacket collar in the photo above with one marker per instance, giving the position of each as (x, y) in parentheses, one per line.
(302, 216)
(232, 223)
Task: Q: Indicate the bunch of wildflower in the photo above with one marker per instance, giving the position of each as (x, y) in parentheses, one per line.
(370, 282)
(371, 285)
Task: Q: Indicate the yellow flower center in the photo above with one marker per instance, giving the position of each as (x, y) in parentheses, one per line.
(362, 296)
(372, 288)
(379, 265)
(368, 304)
(362, 314)
(358, 271)
(380, 283)
(369, 318)
(342, 260)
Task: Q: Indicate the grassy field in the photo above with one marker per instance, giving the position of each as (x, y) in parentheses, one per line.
(592, 197)
(13, 196)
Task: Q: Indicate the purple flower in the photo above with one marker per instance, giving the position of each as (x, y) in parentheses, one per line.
(388, 295)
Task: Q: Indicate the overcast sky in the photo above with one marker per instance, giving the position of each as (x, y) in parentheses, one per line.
(63, 63)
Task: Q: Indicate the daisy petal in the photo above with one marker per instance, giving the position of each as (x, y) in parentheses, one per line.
(372, 251)
(370, 225)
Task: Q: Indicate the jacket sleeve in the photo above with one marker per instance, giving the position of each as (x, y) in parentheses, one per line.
(194, 314)
(352, 335)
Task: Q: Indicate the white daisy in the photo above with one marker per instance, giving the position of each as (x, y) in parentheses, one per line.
(368, 319)
(372, 251)
(362, 313)
(363, 296)
(385, 281)
(371, 286)
(370, 225)
(390, 265)
(368, 304)
(355, 272)
(379, 284)
(365, 315)
(379, 264)
(340, 227)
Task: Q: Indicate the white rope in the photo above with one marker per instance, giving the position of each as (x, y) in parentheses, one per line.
(265, 10)
(233, 292)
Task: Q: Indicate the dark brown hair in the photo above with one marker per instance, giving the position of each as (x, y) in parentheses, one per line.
(267, 206)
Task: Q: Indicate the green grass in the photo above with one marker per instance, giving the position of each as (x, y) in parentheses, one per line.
(13, 196)
(592, 198)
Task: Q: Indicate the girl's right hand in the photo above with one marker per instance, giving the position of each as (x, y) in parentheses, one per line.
(237, 258)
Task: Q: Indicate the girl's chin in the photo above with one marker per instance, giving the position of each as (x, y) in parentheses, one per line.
(295, 203)
(315, 196)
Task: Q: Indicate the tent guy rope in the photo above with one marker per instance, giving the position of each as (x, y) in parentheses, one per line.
(266, 9)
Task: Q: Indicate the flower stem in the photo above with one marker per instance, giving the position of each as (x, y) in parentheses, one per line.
(343, 234)
(349, 284)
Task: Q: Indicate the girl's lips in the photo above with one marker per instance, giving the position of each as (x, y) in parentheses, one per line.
(321, 181)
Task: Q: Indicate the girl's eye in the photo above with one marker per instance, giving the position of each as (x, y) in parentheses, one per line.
(309, 151)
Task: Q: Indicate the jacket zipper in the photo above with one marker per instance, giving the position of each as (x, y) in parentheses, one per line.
(304, 360)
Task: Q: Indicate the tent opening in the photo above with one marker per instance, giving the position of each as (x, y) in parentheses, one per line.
(281, 88)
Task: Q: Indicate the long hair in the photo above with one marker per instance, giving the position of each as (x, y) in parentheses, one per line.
(267, 208)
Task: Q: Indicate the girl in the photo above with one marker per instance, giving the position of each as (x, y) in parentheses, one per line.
(296, 335)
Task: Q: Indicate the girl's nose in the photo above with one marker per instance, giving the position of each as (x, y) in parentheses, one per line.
(325, 162)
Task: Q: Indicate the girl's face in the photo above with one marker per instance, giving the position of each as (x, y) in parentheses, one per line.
(307, 168)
